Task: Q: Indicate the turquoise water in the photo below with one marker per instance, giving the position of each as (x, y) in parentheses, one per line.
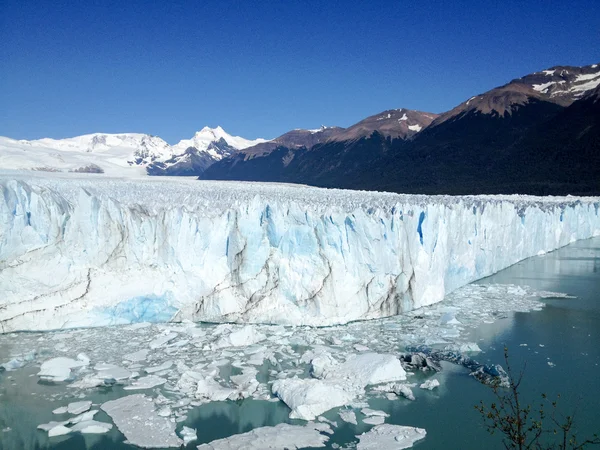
(565, 333)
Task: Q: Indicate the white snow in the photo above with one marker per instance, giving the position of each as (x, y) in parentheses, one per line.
(403, 118)
(280, 437)
(544, 86)
(251, 252)
(587, 76)
(416, 127)
(548, 72)
(318, 130)
(136, 418)
(390, 437)
(587, 86)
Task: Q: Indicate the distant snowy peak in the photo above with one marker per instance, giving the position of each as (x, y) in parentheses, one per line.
(203, 139)
(114, 153)
(100, 142)
(565, 82)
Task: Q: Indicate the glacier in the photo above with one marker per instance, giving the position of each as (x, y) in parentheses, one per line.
(77, 251)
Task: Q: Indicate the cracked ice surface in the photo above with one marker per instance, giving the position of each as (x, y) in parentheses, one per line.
(125, 251)
(390, 437)
(279, 437)
(136, 418)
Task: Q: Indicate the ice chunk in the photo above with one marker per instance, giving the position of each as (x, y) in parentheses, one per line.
(309, 398)
(146, 383)
(389, 437)
(135, 416)
(13, 364)
(79, 407)
(92, 427)
(373, 412)
(247, 335)
(140, 355)
(211, 390)
(59, 369)
(48, 426)
(164, 366)
(111, 371)
(430, 384)
(374, 420)
(58, 430)
(368, 368)
(188, 435)
(347, 415)
(279, 437)
(162, 340)
(85, 417)
(61, 410)
(403, 390)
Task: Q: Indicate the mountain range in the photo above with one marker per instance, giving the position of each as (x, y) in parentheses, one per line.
(538, 134)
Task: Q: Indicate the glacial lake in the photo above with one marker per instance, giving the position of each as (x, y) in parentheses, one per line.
(560, 345)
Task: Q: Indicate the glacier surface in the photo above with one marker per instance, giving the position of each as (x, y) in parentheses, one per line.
(78, 251)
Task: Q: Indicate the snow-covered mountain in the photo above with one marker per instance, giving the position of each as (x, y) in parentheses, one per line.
(203, 139)
(124, 154)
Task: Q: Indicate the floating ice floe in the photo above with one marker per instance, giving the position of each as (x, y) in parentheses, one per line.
(390, 437)
(135, 417)
(83, 423)
(279, 437)
(374, 417)
(347, 415)
(162, 340)
(145, 383)
(59, 369)
(79, 407)
(430, 384)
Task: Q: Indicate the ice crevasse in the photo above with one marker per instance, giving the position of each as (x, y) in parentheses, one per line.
(85, 251)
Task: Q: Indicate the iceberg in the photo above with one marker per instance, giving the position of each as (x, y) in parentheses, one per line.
(130, 251)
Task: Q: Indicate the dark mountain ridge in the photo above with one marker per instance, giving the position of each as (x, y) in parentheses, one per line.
(539, 134)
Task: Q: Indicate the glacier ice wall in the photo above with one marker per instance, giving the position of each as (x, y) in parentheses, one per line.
(86, 252)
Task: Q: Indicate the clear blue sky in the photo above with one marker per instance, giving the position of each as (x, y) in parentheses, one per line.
(261, 68)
